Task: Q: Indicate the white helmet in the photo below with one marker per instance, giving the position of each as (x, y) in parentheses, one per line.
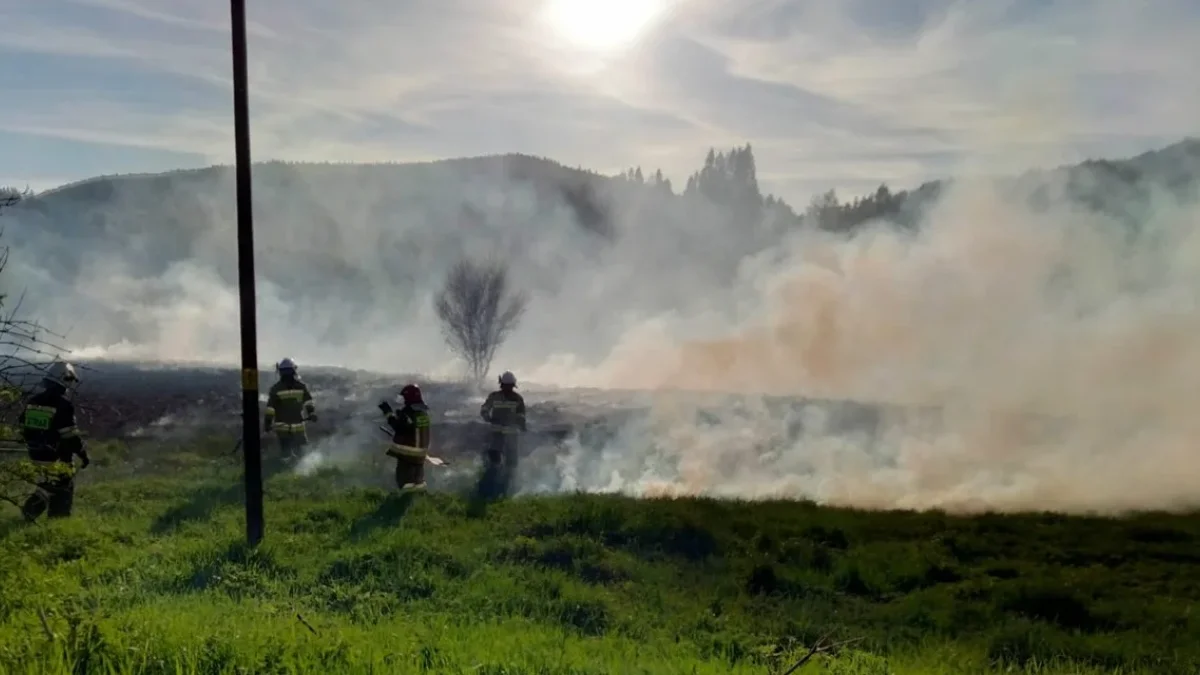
(286, 364)
(508, 378)
(62, 374)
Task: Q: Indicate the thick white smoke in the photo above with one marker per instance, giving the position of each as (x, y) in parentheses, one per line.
(1023, 358)
(1020, 352)
(348, 259)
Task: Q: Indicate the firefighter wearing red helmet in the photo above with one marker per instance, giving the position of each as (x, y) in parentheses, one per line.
(410, 437)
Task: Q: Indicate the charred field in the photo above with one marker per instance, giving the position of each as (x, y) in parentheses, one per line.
(150, 575)
(136, 408)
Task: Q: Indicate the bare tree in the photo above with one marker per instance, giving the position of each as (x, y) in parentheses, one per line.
(23, 343)
(478, 310)
(25, 351)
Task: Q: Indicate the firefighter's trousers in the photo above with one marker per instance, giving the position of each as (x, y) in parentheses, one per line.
(410, 466)
(291, 443)
(503, 446)
(54, 496)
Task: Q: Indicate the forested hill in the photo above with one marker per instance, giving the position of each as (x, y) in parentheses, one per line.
(351, 247)
(497, 190)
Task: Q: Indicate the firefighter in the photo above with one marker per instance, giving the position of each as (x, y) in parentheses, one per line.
(410, 438)
(48, 427)
(505, 411)
(289, 405)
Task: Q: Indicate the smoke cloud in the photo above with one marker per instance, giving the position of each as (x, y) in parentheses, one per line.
(1014, 352)
(1017, 358)
(349, 257)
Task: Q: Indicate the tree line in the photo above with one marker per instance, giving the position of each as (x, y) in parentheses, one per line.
(728, 181)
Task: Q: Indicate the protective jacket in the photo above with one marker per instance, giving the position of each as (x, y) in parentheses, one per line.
(49, 429)
(505, 411)
(289, 403)
(410, 426)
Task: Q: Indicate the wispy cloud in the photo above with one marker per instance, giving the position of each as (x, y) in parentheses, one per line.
(211, 17)
(831, 94)
(988, 76)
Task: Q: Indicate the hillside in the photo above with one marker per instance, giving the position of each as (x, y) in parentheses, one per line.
(978, 352)
(349, 254)
(151, 577)
(1014, 298)
(343, 246)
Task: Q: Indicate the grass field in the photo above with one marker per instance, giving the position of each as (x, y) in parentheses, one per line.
(151, 576)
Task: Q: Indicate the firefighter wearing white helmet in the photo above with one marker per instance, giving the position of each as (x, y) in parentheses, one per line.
(48, 427)
(289, 405)
(505, 411)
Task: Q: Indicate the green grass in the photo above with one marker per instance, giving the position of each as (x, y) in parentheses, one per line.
(151, 576)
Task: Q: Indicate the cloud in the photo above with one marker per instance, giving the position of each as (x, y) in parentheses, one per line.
(211, 18)
(832, 95)
(1054, 77)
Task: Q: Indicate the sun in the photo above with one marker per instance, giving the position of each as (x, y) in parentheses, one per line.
(601, 25)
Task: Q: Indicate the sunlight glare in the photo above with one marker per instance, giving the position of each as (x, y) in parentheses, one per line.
(601, 25)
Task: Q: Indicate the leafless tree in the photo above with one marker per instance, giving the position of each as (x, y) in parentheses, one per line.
(478, 309)
(26, 348)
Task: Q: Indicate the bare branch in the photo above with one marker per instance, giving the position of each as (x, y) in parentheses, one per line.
(307, 624)
(821, 646)
(26, 349)
(10, 196)
(45, 624)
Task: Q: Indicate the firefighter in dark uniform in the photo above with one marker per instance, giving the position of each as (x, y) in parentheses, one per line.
(505, 411)
(48, 427)
(410, 438)
(289, 405)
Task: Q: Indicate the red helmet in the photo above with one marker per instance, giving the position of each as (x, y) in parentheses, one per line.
(411, 393)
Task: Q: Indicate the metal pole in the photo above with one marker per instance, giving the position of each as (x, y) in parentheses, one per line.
(251, 447)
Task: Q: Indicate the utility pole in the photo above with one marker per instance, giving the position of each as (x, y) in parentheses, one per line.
(251, 439)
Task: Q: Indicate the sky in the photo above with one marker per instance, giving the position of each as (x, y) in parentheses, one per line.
(840, 95)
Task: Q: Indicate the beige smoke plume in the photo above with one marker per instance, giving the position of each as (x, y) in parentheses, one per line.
(1024, 360)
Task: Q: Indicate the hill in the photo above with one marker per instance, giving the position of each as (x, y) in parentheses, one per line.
(151, 577)
(342, 248)
(348, 255)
